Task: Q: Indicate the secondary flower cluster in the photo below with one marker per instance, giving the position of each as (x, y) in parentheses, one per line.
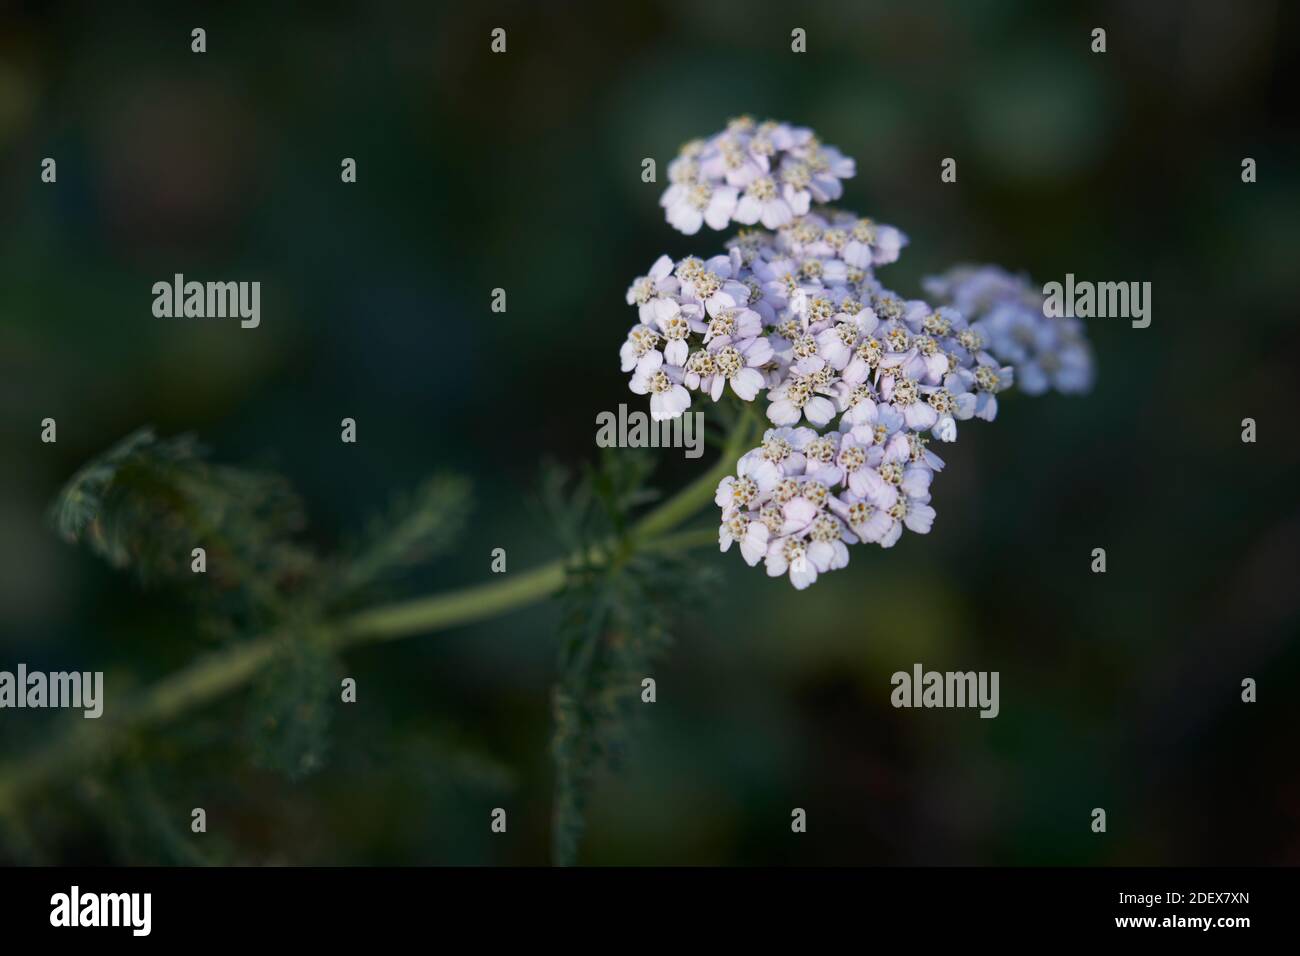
(751, 173)
(1048, 352)
(858, 381)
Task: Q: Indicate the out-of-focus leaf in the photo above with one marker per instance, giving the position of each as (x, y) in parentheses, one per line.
(290, 714)
(418, 526)
(615, 616)
(147, 502)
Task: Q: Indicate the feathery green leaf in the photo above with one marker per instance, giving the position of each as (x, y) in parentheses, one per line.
(418, 526)
(615, 622)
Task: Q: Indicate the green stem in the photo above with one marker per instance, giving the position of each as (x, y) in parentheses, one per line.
(673, 512)
(453, 608)
(218, 674)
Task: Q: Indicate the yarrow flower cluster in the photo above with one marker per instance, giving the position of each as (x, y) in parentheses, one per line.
(1048, 352)
(750, 173)
(858, 380)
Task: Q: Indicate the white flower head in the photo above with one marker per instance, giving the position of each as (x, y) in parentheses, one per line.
(750, 173)
(858, 381)
(1007, 322)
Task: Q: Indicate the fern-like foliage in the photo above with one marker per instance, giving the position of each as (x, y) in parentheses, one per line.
(147, 502)
(615, 622)
(418, 526)
(288, 718)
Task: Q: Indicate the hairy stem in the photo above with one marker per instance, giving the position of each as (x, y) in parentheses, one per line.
(216, 675)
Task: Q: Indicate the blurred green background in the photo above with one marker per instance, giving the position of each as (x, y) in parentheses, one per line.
(522, 171)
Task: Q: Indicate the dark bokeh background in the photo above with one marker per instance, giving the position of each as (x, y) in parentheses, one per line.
(523, 171)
